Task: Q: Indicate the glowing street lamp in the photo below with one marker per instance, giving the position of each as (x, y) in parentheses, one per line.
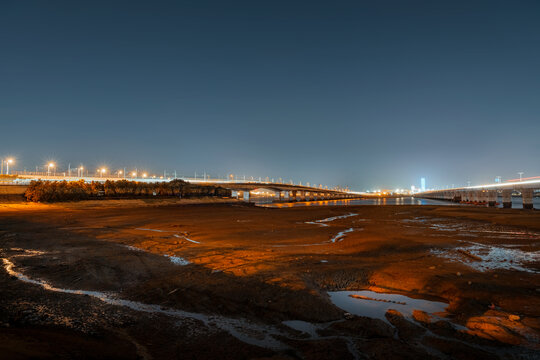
(49, 166)
(8, 161)
(102, 171)
(133, 174)
(80, 171)
(144, 175)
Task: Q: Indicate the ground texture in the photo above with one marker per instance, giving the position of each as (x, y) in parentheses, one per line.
(158, 280)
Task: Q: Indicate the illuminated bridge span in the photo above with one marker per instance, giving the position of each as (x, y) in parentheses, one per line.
(284, 192)
(489, 193)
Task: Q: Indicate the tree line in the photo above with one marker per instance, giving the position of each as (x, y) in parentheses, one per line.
(53, 191)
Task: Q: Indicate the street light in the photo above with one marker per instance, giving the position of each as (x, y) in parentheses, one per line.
(520, 175)
(144, 175)
(49, 166)
(80, 171)
(8, 161)
(102, 171)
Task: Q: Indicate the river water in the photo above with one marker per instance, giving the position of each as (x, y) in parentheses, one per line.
(409, 200)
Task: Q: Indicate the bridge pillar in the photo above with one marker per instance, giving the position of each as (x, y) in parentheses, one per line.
(246, 196)
(492, 197)
(234, 194)
(483, 196)
(527, 196)
(279, 196)
(507, 198)
(302, 195)
(293, 198)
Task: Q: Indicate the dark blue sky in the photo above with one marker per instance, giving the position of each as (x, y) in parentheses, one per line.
(359, 93)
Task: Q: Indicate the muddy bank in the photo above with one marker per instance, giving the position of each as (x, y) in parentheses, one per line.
(234, 276)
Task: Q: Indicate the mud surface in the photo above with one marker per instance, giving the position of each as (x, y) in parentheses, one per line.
(233, 281)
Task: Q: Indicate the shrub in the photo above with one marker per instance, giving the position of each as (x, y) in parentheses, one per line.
(53, 191)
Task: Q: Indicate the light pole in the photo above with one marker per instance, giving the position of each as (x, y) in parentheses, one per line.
(102, 171)
(49, 166)
(80, 171)
(520, 175)
(8, 161)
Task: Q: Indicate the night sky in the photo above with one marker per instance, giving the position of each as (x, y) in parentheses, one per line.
(361, 93)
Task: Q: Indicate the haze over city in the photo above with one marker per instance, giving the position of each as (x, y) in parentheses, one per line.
(358, 94)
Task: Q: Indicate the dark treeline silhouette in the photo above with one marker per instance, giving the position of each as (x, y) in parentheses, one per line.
(52, 191)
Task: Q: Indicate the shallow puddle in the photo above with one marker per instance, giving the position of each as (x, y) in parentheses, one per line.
(375, 305)
(323, 222)
(483, 257)
(341, 235)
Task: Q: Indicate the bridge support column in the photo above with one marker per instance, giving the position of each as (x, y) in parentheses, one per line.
(527, 196)
(302, 195)
(293, 197)
(246, 196)
(279, 196)
(507, 198)
(234, 194)
(492, 197)
(476, 196)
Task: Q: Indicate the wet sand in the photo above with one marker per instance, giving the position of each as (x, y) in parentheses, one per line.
(201, 281)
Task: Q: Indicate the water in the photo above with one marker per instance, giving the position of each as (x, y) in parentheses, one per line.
(408, 200)
(375, 201)
(484, 257)
(375, 305)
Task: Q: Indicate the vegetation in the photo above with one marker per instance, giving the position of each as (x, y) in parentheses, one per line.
(8, 177)
(53, 191)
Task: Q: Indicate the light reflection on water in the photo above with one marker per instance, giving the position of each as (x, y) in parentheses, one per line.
(375, 201)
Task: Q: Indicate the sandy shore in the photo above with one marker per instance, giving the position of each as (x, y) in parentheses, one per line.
(217, 280)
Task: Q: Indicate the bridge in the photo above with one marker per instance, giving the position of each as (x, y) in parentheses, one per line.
(240, 189)
(284, 192)
(489, 193)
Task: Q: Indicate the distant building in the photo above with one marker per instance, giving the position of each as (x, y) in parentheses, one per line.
(423, 184)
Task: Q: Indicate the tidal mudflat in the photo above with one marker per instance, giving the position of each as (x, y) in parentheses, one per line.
(230, 281)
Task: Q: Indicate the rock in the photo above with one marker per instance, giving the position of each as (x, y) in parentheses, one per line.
(407, 330)
(513, 317)
(348, 316)
(422, 316)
